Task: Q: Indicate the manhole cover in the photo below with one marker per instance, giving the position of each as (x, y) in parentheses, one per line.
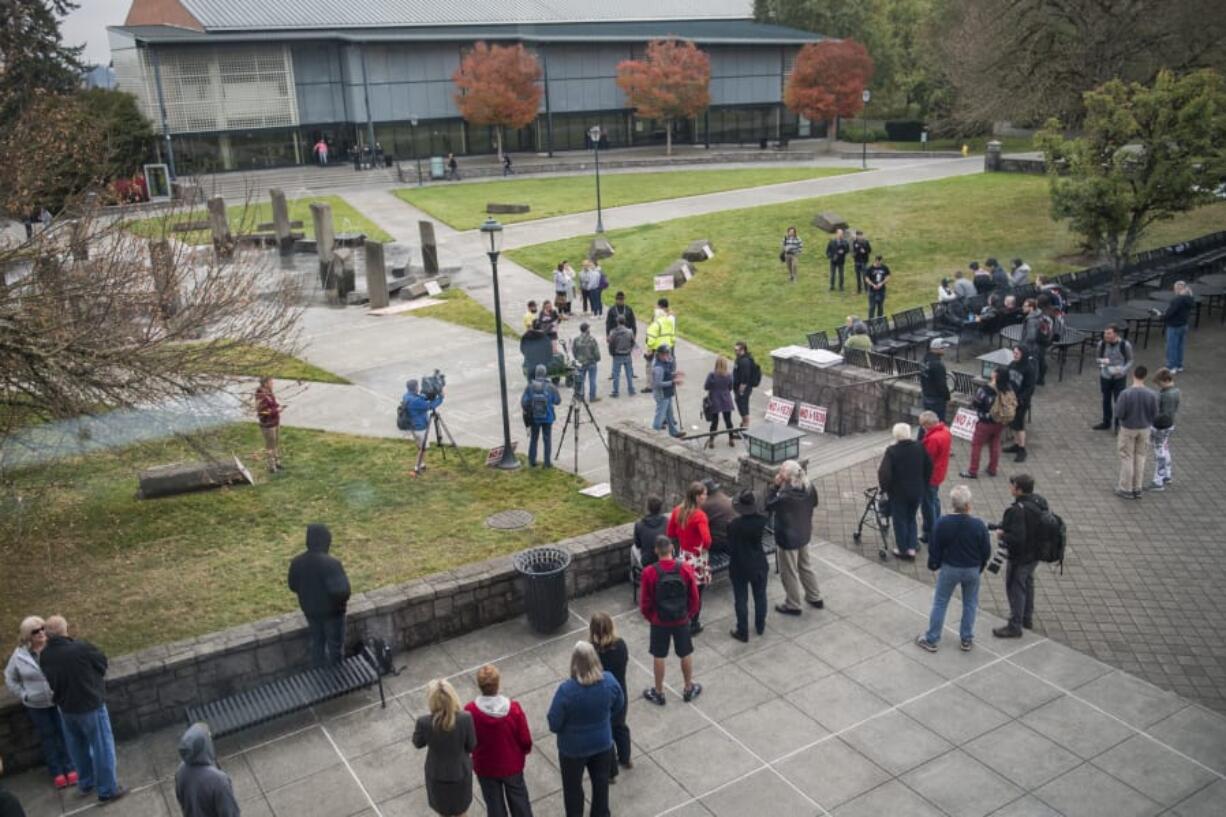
(509, 520)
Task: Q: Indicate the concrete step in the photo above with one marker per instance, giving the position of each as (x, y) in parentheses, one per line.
(829, 454)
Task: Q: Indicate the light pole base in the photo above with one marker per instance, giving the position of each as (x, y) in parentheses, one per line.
(508, 461)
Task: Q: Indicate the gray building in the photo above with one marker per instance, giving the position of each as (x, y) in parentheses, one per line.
(239, 84)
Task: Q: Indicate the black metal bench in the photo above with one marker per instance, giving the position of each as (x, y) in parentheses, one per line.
(270, 701)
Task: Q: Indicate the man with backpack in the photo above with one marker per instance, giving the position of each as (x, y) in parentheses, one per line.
(746, 376)
(413, 414)
(1025, 532)
(995, 406)
(537, 402)
(668, 599)
(1115, 359)
(1021, 380)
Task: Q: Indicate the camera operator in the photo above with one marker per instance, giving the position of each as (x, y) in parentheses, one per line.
(1019, 531)
(537, 403)
(418, 409)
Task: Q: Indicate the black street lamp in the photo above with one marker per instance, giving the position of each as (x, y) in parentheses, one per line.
(594, 134)
(492, 231)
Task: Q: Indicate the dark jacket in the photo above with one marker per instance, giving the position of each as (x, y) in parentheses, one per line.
(837, 249)
(861, 249)
(202, 789)
(1178, 311)
(959, 540)
(905, 471)
(317, 578)
(449, 757)
(645, 532)
(718, 509)
(76, 671)
(621, 341)
(1022, 376)
(719, 387)
(742, 373)
(1000, 279)
(581, 716)
(10, 806)
(614, 659)
(982, 402)
(793, 509)
(934, 380)
(1021, 526)
(748, 560)
(610, 321)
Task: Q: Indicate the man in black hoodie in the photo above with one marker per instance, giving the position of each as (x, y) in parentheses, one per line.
(1019, 529)
(202, 789)
(76, 672)
(323, 592)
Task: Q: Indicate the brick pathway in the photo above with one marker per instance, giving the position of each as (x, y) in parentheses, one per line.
(834, 712)
(1143, 584)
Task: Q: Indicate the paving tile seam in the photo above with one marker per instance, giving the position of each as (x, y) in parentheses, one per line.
(344, 760)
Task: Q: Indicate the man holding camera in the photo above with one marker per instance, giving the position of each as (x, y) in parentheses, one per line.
(418, 409)
(1019, 533)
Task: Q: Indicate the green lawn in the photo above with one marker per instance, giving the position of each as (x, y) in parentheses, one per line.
(463, 205)
(245, 219)
(458, 307)
(256, 361)
(977, 144)
(924, 230)
(130, 573)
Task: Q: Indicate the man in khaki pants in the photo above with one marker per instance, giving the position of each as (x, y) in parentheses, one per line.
(1135, 410)
(792, 499)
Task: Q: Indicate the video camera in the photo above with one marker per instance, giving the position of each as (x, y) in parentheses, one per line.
(432, 385)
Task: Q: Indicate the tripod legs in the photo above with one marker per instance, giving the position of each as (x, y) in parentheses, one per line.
(440, 428)
(573, 420)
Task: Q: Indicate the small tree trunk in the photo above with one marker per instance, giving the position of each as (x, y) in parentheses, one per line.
(668, 137)
(498, 138)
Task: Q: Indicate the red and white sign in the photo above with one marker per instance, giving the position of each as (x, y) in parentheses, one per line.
(664, 283)
(811, 418)
(964, 424)
(495, 455)
(779, 410)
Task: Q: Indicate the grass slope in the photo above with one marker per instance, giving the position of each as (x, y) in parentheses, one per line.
(463, 205)
(458, 307)
(245, 219)
(257, 361)
(132, 573)
(925, 231)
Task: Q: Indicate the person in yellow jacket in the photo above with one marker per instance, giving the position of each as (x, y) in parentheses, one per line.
(662, 330)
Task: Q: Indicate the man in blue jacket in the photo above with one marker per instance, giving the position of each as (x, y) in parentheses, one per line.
(418, 408)
(538, 401)
(959, 551)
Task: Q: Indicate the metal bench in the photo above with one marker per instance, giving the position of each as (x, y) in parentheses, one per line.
(270, 701)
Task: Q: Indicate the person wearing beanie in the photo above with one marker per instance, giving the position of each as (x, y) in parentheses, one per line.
(538, 401)
(587, 354)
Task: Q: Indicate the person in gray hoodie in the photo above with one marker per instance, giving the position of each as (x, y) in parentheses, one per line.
(202, 789)
(24, 678)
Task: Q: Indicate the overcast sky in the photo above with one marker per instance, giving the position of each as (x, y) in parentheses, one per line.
(88, 25)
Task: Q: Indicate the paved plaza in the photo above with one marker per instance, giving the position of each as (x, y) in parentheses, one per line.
(835, 712)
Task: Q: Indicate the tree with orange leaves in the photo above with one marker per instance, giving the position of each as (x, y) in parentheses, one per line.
(498, 86)
(827, 81)
(671, 82)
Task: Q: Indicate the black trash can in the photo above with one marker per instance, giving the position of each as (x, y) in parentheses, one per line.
(544, 578)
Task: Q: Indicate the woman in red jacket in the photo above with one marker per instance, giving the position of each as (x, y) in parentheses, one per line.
(691, 530)
(503, 744)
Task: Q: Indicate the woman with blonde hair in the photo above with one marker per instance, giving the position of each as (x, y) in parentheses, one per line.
(614, 657)
(719, 399)
(448, 733)
(690, 528)
(581, 715)
(26, 681)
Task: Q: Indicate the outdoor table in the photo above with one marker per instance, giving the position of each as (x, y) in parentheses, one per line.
(1072, 337)
(1215, 298)
(1091, 325)
(1131, 315)
(1213, 279)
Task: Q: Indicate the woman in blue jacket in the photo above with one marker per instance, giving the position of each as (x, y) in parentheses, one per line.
(581, 716)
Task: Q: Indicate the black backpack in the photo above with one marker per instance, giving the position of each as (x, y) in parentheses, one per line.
(403, 422)
(379, 653)
(1051, 537)
(539, 403)
(755, 373)
(672, 596)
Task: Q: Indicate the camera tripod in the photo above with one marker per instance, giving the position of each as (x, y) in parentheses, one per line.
(440, 427)
(574, 418)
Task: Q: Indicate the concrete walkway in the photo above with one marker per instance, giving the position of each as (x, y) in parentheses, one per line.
(832, 712)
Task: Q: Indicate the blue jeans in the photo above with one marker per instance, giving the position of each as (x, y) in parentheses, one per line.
(622, 362)
(327, 639)
(92, 749)
(948, 578)
(1175, 336)
(930, 509)
(586, 374)
(664, 415)
(906, 536)
(593, 296)
(50, 730)
(545, 431)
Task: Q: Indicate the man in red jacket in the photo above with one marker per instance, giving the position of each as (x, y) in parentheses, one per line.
(503, 743)
(937, 442)
(668, 599)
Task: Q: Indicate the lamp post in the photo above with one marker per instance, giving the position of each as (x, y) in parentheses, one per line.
(491, 231)
(593, 133)
(866, 96)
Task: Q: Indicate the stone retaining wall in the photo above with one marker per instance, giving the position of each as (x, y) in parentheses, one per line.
(149, 689)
